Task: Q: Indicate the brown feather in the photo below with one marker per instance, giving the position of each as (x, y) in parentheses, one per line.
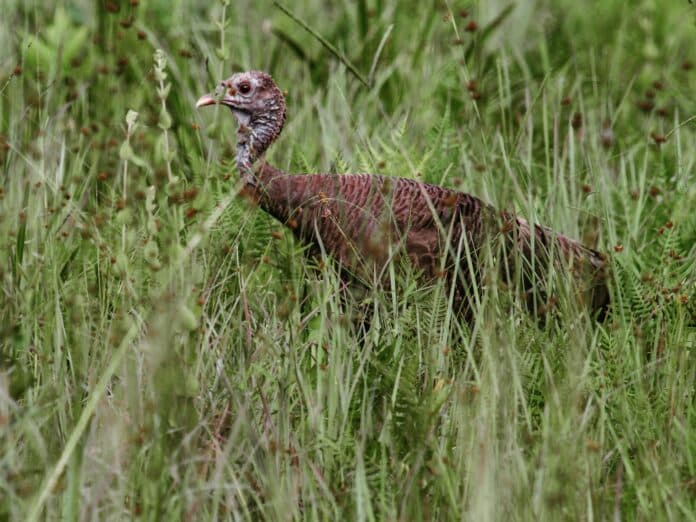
(365, 221)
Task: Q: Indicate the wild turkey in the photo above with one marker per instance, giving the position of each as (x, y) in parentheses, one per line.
(365, 221)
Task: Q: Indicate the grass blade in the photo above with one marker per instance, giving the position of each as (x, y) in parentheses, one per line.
(81, 425)
(329, 46)
(378, 53)
(490, 27)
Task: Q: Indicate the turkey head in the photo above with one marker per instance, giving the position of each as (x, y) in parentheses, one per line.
(259, 107)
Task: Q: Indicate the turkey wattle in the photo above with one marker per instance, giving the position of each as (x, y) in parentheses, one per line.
(365, 221)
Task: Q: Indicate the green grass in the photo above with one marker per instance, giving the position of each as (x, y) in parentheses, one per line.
(166, 354)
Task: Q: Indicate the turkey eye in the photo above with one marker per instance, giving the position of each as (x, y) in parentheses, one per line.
(244, 88)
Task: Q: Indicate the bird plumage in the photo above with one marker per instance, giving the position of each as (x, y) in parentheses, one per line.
(367, 221)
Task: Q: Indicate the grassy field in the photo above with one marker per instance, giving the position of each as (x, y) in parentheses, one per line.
(168, 352)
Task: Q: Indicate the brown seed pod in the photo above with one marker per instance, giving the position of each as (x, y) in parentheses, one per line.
(450, 200)
(645, 105)
(659, 139)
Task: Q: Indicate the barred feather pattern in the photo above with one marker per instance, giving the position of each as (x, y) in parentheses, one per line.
(366, 221)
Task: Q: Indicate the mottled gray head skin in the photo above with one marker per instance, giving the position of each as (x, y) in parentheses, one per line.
(259, 107)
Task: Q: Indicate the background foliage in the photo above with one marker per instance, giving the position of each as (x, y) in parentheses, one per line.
(167, 351)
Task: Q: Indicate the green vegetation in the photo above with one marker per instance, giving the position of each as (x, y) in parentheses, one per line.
(167, 351)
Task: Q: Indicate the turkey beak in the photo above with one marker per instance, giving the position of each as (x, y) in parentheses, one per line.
(206, 99)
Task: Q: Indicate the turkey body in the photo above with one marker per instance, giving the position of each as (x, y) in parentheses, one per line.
(367, 221)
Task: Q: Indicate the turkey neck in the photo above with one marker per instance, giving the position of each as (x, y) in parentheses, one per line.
(277, 192)
(256, 133)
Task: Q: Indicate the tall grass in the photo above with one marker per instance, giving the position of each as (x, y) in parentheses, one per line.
(168, 352)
